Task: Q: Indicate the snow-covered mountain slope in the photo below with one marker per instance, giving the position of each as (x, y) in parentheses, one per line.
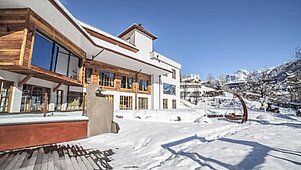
(279, 73)
(239, 76)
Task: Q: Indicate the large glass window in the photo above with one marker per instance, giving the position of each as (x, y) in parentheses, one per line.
(74, 66)
(75, 101)
(51, 56)
(125, 103)
(169, 89)
(143, 85)
(62, 61)
(126, 82)
(106, 79)
(142, 103)
(42, 51)
(4, 95)
(33, 98)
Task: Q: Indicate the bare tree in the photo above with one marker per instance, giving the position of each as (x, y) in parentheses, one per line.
(210, 80)
(222, 79)
(259, 84)
(297, 54)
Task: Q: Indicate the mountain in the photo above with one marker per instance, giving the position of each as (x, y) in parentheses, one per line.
(282, 72)
(239, 76)
(279, 73)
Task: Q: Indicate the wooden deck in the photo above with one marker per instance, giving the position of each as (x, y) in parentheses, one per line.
(55, 157)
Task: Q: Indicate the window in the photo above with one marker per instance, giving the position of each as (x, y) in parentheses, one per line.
(75, 101)
(125, 103)
(4, 95)
(106, 79)
(33, 98)
(51, 56)
(143, 85)
(142, 103)
(62, 60)
(42, 51)
(88, 75)
(109, 97)
(173, 73)
(126, 82)
(165, 103)
(74, 65)
(169, 89)
(174, 104)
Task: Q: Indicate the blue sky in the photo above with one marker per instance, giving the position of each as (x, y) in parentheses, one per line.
(205, 36)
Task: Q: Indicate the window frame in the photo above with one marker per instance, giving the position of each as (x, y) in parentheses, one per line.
(174, 74)
(77, 103)
(55, 54)
(143, 88)
(31, 94)
(108, 83)
(123, 105)
(142, 103)
(165, 103)
(126, 81)
(7, 96)
(174, 104)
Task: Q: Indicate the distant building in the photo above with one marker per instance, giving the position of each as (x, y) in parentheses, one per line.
(190, 78)
(235, 85)
(190, 87)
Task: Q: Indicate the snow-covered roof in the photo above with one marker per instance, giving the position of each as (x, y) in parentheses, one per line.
(168, 61)
(85, 25)
(140, 28)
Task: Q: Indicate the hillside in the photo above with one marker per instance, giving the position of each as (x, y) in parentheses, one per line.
(279, 73)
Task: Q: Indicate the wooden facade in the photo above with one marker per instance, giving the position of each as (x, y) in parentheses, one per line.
(26, 135)
(17, 31)
(19, 28)
(97, 67)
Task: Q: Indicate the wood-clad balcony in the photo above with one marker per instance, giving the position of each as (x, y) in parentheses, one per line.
(18, 28)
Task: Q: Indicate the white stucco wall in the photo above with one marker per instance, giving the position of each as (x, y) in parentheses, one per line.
(156, 92)
(168, 79)
(144, 44)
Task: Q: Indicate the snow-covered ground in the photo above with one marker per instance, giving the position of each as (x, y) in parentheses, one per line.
(154, 139)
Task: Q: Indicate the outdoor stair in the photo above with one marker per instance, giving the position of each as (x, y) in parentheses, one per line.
(56, 157)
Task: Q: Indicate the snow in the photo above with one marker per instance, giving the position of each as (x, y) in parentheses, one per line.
(29, 118)
(239, 76)
(152, 139)
(105, 33)
(162, 115)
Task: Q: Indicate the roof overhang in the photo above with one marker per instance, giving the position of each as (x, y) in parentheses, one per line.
(140, 28)
(130, 63)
